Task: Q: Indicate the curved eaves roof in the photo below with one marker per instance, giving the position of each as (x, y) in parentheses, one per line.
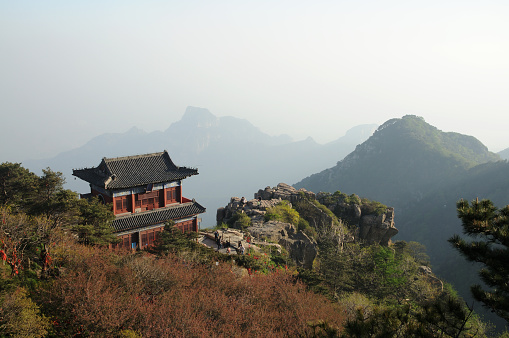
(131, 171)
(162, 215)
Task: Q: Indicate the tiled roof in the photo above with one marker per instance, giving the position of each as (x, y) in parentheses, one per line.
(132, 171)
(147, 218)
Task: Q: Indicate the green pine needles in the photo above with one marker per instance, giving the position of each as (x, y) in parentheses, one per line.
(489, 227)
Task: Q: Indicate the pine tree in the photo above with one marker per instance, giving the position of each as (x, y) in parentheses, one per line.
(490, 228)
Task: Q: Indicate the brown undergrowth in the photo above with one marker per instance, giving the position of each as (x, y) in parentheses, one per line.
(104, 294)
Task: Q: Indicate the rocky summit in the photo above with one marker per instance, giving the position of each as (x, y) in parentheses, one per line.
(368, 227)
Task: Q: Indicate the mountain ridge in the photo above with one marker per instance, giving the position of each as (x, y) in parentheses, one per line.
(387, 158)
(232, 155)
(422, 172)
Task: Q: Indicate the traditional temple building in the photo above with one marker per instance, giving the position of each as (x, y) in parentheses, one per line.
(145, 192)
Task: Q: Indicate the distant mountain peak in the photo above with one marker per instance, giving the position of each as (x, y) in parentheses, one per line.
(405, 150)
(135, 130)
(199, 117)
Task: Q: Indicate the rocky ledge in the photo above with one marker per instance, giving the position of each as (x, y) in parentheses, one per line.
(368, 228)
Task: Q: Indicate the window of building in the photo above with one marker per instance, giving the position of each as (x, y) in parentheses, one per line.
(123, 204)
(171, 195)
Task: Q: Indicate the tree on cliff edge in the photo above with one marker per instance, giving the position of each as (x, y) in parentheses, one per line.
(490, 228)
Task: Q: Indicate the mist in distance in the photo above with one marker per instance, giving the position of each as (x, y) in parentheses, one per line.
(72, 71)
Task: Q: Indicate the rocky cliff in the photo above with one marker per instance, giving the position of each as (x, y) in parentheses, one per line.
(367, 227)
(371, 225)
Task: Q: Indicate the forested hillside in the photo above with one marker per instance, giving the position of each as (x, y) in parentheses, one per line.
(422, 172)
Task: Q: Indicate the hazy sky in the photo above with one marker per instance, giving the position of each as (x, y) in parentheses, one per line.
(71, 70)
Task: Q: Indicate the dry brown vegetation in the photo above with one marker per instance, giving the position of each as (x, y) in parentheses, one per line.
(102, 293)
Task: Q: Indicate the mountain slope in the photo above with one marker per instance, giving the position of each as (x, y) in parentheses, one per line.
(423, 172)
(504, 154)
(404, 158)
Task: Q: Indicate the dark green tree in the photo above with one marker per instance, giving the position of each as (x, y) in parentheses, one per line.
(173, 240)
(17, 185)
(443, 316)
(489, 227)
(94, 226)
(52, 200)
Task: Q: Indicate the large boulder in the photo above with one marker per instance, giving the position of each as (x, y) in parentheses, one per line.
(271, 231)
(372, 227)
(285, 192)
(378, 229)
(300, 247)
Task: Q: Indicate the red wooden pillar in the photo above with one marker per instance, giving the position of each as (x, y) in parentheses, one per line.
(114, 205)
(179, 190)
(165, 192)
(133, 206)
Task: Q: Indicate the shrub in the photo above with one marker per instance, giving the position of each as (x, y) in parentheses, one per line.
(283, 212)
(106, 294)
(20, 316)
(240, 221)
(352, 199)
(372, 207)
(306, 228)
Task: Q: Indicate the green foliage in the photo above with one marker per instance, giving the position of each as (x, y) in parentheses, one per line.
(306, 228)
(372, 207)
(175, 240)
(441, 316)
(449, 316)
(20, 316)
(382, 322)
(313, 212)
(352, 199)
(95, 220)
(283, 212)
(386, 294)
(389, 268)
(422, 172)
(17, 185)
(45, 197)
(483, 221)
(240, 221)
(314, 280)
(416, 250)
(129, 334)
(367, 206)
(404, 158)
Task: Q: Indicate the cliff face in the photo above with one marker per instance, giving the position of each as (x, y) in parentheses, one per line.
(367, 227)
(370, 227)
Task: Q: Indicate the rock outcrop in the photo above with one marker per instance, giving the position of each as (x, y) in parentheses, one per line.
(370, 226)
(300, 247)
(367, 226)
(378, 229)
(284, 191)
